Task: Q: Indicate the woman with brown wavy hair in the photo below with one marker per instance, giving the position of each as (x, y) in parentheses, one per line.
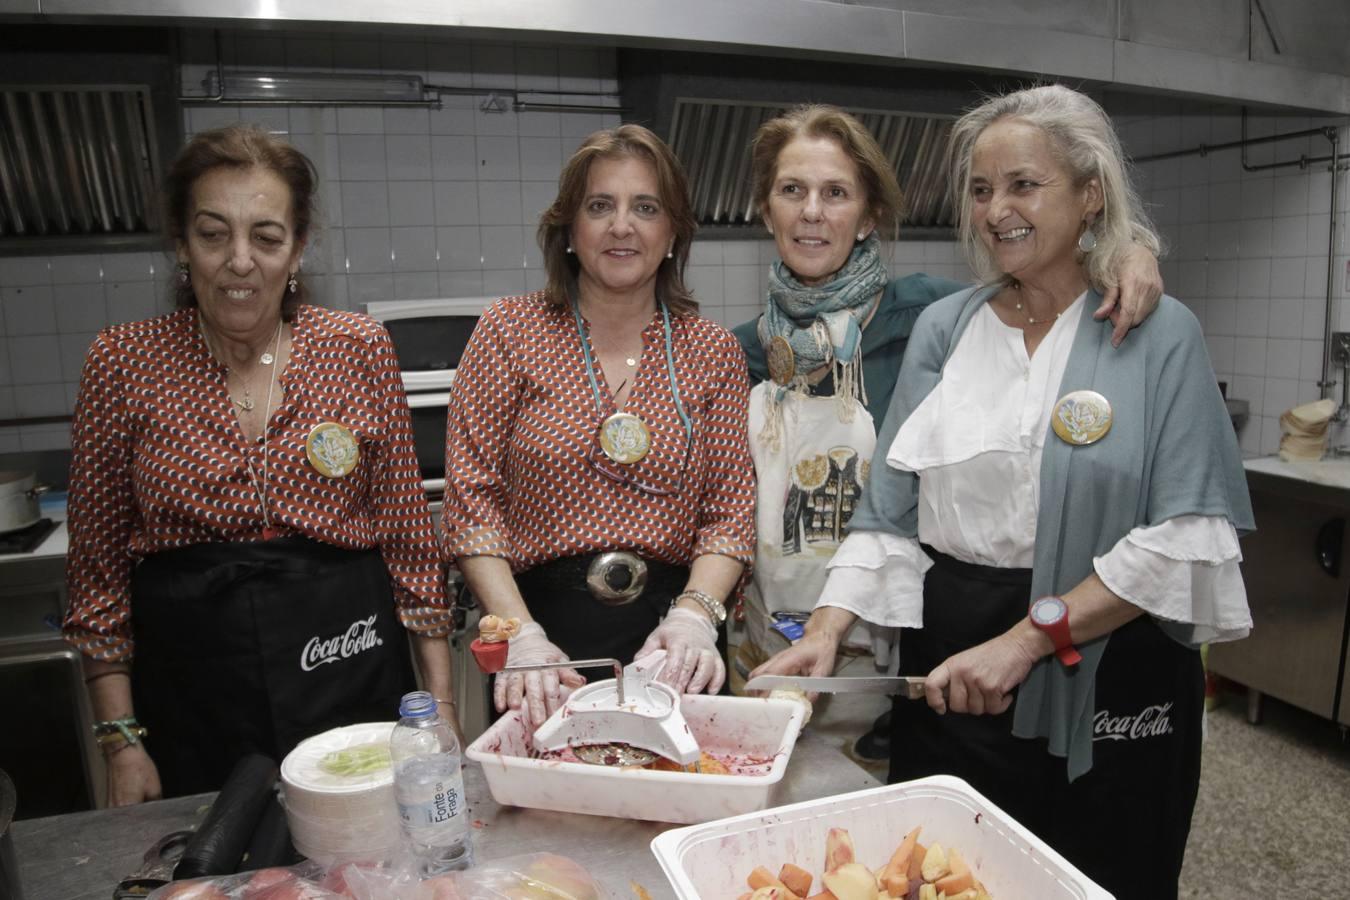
(598, 482)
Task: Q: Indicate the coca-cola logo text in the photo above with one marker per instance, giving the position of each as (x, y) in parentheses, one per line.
(359, 636)
(1151, 721)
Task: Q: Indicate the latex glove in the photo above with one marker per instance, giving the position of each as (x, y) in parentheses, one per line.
(1136, 295)
(537, 694)
(692, 660)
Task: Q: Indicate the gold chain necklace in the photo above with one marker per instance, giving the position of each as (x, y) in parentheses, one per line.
(1031, 320)
(259, 484)
(267, 359)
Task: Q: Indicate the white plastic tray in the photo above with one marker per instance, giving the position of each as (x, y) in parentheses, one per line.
(740, 726)
(711, 861)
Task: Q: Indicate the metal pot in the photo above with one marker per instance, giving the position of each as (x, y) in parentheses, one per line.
(19, 492)
(9, 863)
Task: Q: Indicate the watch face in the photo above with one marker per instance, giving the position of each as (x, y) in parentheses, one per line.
(1048, 610)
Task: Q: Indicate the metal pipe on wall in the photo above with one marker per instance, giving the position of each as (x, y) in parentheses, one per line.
(1332, 135)
(1326, 384)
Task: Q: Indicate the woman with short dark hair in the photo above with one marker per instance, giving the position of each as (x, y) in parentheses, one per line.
(250, 543)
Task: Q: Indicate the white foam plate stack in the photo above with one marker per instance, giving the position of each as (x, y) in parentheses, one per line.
(336, 818)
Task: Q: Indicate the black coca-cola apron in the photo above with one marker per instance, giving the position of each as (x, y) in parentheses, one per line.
(1125, 822)
(245, 648)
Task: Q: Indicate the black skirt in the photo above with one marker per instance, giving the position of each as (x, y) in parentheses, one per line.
(251, 648)
(1126, 821)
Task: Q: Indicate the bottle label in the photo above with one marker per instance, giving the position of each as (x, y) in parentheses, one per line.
(436, 802)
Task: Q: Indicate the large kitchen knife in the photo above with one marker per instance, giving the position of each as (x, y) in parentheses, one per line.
(908, 686)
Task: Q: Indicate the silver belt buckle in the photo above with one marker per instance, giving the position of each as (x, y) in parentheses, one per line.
(614, 562)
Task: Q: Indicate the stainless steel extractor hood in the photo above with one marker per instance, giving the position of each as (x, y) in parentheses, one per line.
(76, 161)
(87, 115)
(709, 106)
(712, 139)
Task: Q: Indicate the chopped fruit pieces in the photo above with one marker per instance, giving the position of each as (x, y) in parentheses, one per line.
(913, 872)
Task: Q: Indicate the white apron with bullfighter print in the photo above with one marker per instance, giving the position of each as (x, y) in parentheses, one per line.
(806, 492)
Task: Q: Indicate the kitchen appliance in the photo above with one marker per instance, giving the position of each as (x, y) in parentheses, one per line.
(713, 860)
(627, 720)
(26, 540)
(48, 748)
(19, 493)
(9, 863)
(429, 338)
(908, 686)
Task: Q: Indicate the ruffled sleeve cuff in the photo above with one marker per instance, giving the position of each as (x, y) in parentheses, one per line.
(879, 578)
(1183, 571)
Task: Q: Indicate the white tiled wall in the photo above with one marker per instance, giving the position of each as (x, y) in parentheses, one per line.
(443, 202)
(416, 203)
(1248, 250)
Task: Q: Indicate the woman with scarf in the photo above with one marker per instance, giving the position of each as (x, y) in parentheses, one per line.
(826, 353)
(1050, 520)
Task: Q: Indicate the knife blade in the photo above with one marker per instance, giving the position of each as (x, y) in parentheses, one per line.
(908, 686)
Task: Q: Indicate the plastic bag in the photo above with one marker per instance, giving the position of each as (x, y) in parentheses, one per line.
(534, 876)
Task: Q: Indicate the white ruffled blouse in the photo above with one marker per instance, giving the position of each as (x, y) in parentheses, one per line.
(977, 441)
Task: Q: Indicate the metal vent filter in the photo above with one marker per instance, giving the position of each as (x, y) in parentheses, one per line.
(76, 161)
(712, 139)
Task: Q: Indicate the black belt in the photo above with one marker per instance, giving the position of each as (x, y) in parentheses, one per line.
(585, 626)
(614, 578)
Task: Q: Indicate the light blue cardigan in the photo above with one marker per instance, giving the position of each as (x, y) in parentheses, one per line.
(1171, 452)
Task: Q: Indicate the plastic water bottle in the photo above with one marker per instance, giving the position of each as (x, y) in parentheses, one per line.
(429, 786)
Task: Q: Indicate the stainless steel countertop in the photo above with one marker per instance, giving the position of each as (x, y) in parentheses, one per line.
(82, 856)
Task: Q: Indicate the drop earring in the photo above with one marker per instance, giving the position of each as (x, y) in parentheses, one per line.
(1087, 241)
(292, 284)
(569, 249)
(182, 270)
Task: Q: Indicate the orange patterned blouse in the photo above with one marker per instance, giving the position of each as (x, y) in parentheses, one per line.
(525, 480)
(158, 462)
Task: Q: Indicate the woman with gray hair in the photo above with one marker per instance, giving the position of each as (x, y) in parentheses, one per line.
(1024, 459)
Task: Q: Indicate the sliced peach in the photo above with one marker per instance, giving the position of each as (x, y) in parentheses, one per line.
(838, 849)
(796, 879)
(934, 864)
(761, 878)
(958, 880)
(851, 881)
(915, 872)
(895, 874)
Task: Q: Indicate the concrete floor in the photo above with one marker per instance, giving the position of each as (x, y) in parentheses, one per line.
(1273, 816)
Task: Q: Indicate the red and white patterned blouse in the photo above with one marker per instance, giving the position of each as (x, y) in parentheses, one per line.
(521, 432)
(158, 462)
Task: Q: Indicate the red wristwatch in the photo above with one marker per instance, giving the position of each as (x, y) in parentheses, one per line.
(1051, 615)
